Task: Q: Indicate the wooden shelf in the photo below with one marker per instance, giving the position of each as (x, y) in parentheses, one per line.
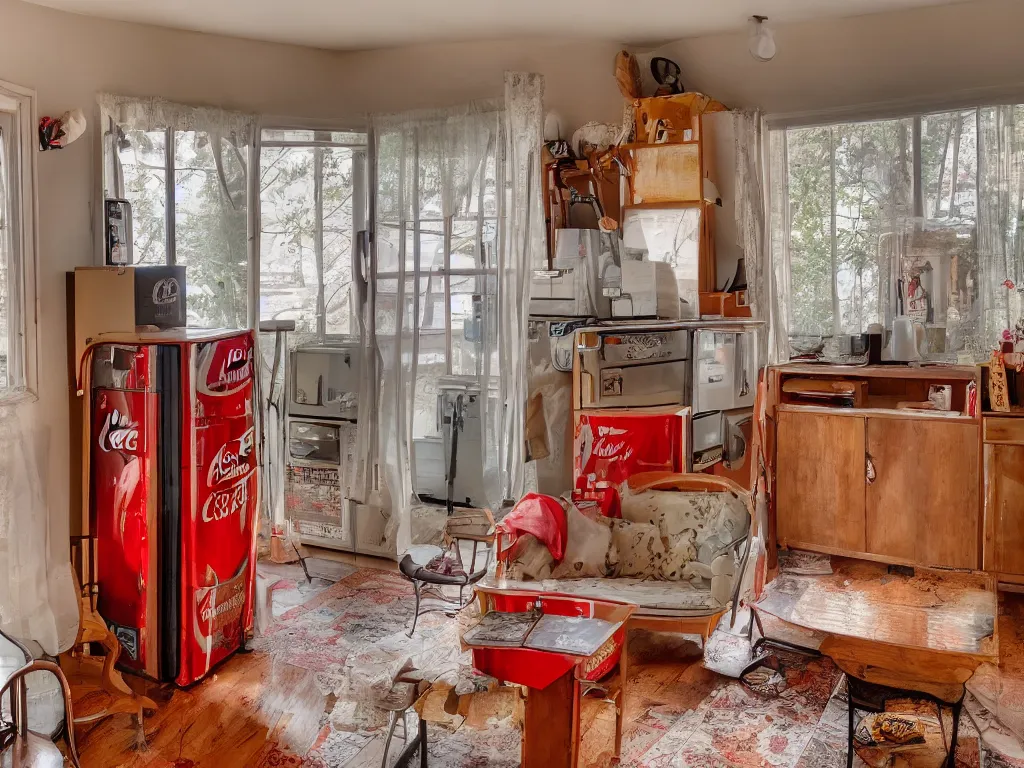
(934, 372)
(889, 413)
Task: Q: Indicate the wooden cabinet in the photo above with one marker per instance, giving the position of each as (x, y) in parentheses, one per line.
(887, 485)
(922, 504)
(1004, 510)
(820, 478)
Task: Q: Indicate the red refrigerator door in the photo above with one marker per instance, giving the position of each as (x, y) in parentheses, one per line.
(124, 511)
(219, 522)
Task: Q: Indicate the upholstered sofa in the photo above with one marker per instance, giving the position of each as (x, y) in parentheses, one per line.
(681, 547)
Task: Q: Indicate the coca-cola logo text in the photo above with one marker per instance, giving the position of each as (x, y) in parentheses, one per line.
(119, 433)
(165, 291)
(232, 460)
(226, 502)
(236, 368)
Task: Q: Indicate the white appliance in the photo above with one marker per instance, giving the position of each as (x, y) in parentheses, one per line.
(725, 368)
(574, 285)
(627, 367)
(648, 290)
(321, 498)
(460, 426)
(325, 380)
(317, 487)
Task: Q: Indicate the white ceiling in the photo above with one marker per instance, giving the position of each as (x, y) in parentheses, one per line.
(360, 24)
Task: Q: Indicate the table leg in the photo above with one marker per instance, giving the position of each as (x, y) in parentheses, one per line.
(548, 725)
(423, 743)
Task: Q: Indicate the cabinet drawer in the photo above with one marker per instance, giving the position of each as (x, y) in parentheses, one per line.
(998, 430)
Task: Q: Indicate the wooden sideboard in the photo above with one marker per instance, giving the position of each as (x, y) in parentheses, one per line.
(858, 473)
(1003, 472)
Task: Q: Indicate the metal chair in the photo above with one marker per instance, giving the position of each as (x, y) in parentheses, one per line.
(430, 583)
(20, 747)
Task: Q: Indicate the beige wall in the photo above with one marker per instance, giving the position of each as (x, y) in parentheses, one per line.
(67, 59)
(925, 53)
(579, 80)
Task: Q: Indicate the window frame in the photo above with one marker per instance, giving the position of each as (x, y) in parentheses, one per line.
(361, 182)
(22, 104)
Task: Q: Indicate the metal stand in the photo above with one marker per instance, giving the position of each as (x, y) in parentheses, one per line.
(419, 743)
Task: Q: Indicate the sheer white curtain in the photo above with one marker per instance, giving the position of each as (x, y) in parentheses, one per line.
(457, 217)
(185, 171)
(37, 595)
(759, 258)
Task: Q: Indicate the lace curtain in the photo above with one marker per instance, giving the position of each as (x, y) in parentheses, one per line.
(767, 299)
(155, 151)
(37, 594)
(458, 215)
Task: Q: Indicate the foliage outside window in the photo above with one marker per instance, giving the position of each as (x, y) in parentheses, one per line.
(312, 206)
(919, 214)
(186, 177)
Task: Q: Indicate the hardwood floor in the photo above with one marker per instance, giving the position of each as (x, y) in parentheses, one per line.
(248, 706)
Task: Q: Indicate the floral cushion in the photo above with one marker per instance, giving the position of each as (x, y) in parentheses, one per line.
(640, 549)
(589, 549)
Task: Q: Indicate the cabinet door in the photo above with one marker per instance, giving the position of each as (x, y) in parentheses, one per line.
(820, 478)
(922, 505)
(1004, 508)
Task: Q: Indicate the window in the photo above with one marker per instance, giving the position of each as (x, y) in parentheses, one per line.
(436, 263)
(185, 172)
(915, 215)
(312, 207)
(17, 239)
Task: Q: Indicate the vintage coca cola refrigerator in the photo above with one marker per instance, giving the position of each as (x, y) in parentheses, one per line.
(174, 494)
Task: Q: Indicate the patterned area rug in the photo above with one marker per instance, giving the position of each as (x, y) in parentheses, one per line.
(351, 636)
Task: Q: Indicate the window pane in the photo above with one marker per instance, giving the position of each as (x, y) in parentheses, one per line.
(873, 199)
(143, 161)
(288, 275)
(810, 225)
(305, 136)
(474, 325)
(210, 227)
(342, 219)
(306, 246)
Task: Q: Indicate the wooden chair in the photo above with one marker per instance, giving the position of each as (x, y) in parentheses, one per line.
(99, 673)
(20, 747)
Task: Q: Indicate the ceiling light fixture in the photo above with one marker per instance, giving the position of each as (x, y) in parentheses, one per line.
(762, 39)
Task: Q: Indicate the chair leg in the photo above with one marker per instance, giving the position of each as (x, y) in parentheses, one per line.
(416, 613)
(392, 722)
